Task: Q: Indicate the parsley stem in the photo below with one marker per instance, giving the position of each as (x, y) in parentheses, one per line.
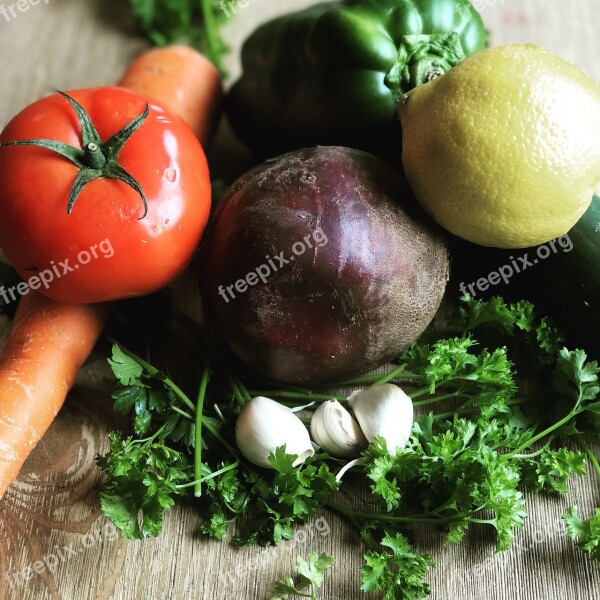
(466, 410)
(366, 379)
(436, 398)
(439, 385)
(175, 388)
(220, 414)
(208, 426)
(240, 385)
(288, 394)
(290, 387)
(153, 371)
(397, 372)
(212, 32)
(182, 412)
(200, 419)
(208, 477)
(543, 434)
(355, 514)
(152, 437)
(591, 456)
(420, 392)
(593, 460)
(536, 453)
(236, 390)
(481, 521)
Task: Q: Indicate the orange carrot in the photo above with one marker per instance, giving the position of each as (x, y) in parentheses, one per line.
(184, 81)
(50, 340)
(47, 345)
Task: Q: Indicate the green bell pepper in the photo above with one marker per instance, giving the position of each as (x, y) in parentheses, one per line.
(334, 73)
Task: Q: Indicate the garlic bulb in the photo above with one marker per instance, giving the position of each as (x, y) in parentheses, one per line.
(334, 429)
(384, 410)
(263, 425)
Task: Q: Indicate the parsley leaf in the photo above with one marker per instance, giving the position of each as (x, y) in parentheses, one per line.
(145, 391)
(585, 533)
(552, 470)
(519, 320)
(465, 464)
(291, 495)
(310, 573)
(143, 481)
(126, 369)
(397, 570)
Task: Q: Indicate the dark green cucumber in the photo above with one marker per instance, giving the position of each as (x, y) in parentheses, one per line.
(571, 281)
(563, 283)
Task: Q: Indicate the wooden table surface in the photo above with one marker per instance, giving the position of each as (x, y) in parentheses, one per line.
(52, 511)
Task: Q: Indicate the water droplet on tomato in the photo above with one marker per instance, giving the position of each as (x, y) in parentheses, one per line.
(171, 174)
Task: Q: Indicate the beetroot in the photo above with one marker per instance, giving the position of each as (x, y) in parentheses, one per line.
(320, 266)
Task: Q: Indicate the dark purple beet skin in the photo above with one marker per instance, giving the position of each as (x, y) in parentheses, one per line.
(370, 279)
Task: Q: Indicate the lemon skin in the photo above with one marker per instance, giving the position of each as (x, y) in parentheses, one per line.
(504, 150)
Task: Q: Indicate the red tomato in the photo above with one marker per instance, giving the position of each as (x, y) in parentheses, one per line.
(107, 247)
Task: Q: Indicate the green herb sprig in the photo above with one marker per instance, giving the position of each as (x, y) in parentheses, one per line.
(477, 445)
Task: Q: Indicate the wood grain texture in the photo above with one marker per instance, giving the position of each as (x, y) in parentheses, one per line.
(52, 510)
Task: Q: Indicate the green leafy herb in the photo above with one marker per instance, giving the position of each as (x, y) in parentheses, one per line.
(585, 533)
(467, 462)
(552, 469)
(143, 481)
(397, 570)
(310, 575)
(291, 496)
(193, 22)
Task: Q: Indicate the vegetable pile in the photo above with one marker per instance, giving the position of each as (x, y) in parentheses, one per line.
(319, 267)
(475, 446)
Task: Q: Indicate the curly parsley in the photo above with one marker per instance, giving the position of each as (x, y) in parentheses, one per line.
(474, 449)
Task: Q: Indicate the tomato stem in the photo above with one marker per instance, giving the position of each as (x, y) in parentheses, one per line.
(95, 159)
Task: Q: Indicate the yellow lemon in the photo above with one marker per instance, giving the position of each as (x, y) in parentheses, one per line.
(504, 150)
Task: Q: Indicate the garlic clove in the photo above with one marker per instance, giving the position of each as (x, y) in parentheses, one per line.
(263, 425)
(384, 410)
(334, 429)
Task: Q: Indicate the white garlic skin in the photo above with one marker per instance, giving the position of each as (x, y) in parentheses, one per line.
(335, 431)
(263, 425)
(384, 410)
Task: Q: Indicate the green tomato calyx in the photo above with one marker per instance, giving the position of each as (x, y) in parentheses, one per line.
(95, 159)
